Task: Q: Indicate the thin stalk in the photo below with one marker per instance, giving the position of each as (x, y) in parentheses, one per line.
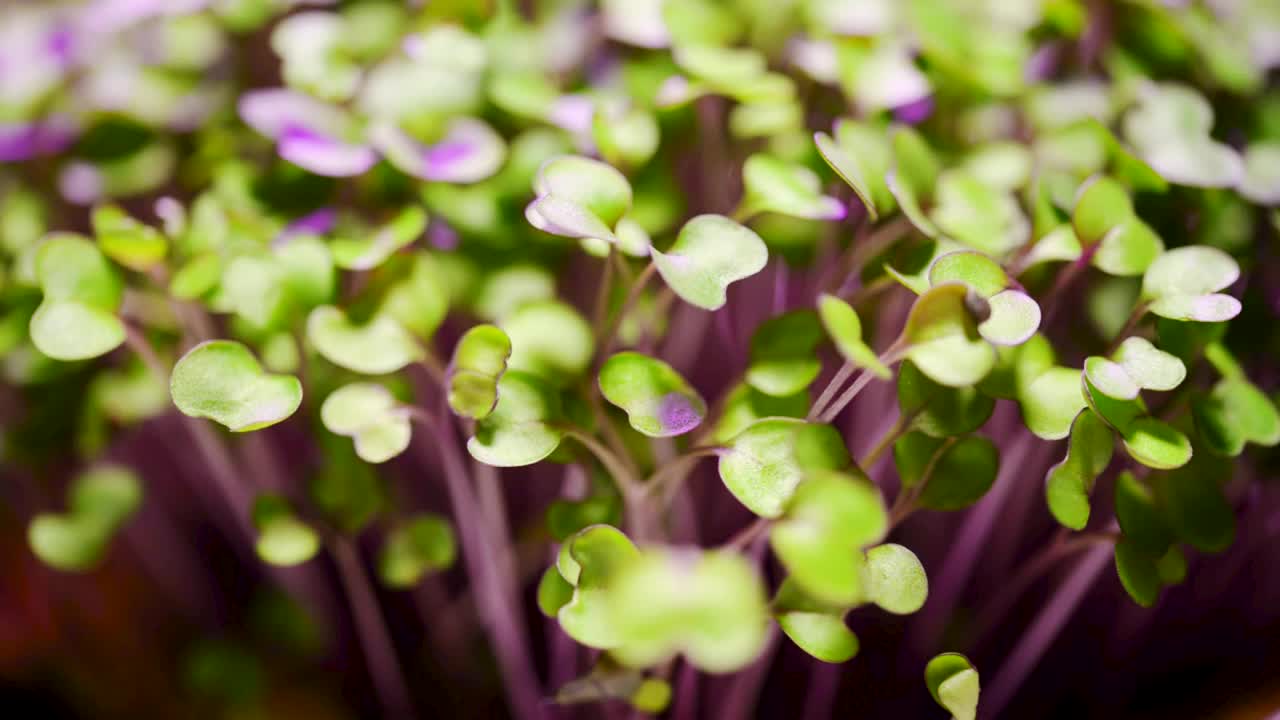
(609, 338)
(1135, 317)
(905, 503)
(829, 391)
(886, 441)
(655, 483)
(500, 618)
(1011, 591)
(371, 629)
(888, 357)
(611, 462)
(748, 534)
(601, 308)
(1036, 640)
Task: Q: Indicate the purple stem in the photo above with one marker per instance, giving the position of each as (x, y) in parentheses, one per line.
(379, 653)
(968, 544)
(1043, 630)
(497, 615)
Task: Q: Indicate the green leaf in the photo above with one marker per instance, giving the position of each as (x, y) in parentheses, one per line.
(370, 415)
(815, 627)
(127, 241)
(953, 683)
(70, 543)
(978, 215)
(82, 293)
(842, 324)
(956, 472)
(376, 347)
(775, 185)
(744, 405)
(1128, 250)
(1014, 318)
(1156, 444)
(709, 254)
(420, 299)
(1138, 573)
(222, 381)
(1139, 517)
(578, 195)
(941, 336)
(1261, 181)
(479, 360)
(596, 554)
(938, 410)
(821, 635)
(974, 269)
(895, 579)
(554, 592)
(283, 539)
(761, 466)
(850, 168)
(1183, 284)
(100, 501)
(709, 605)
(1069, 483)
(657, 400)
(1049, 395)
(424, 544)
(1170, 129)
(550, 339)
(1234, 413)
(520, 429)
(1101, 205)
(1148, 366)
(627, 137)
(1110, 378)
(828, 520)
(784, 360)
(369, 253)
(1194, 504)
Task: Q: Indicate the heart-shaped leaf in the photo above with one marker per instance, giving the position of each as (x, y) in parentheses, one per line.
(956, 472)
(626, 137)
(1261, 181)
(1194, 505)
(520, 429)
(709, 254)
(370, 415)
(100, 501)
(978, 215)
(127, 241)
(1156, 444)
(1104, 215)
(554, 592)
(1138, 573)
(744, 405)
(587, 197)
(1013, 315)
(953, 683)
(783, 357)
(862, 148)
(1139, 517)
(1183, 284)
(827, 522)
(1069, 483)
(589, 561)
(815, 627)
(895, 580)
(1234, 413)
(774, 185)
(941, 336)
(974, 269)
(420, 298)
(424, 544)
(710, 606)
(479, 360)
(1049, 395)
(1170, 129)
(369, 253)
(550, 339)
(379, 346)
(938, 410)
(222, 381)
(842, 324)
(761, 465)
(1148, 366)
(657, 400)
(82, 293)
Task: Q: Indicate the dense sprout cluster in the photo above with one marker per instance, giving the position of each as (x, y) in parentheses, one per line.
(681, 255)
